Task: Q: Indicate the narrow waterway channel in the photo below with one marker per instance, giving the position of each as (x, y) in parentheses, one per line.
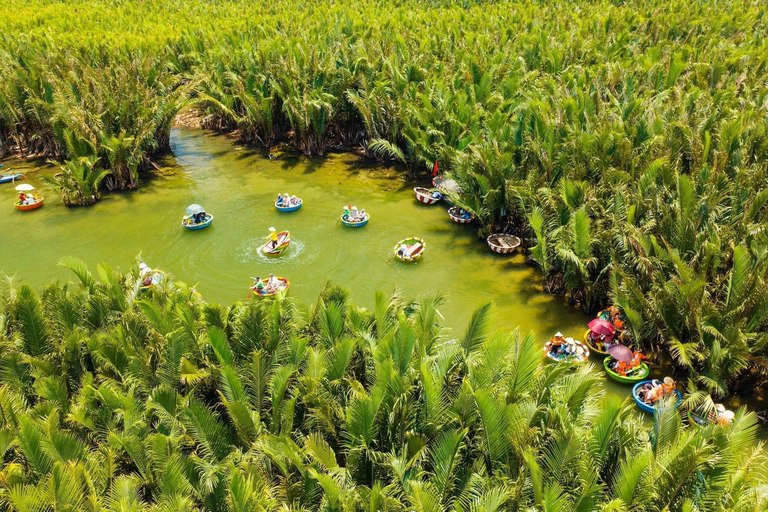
(238, 186)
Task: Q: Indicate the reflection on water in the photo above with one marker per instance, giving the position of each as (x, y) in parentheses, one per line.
(238, 186)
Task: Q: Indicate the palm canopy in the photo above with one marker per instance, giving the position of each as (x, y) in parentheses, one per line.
(110, 401)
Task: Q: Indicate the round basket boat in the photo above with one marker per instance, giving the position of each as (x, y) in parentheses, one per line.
(31, 206)
(636, 374)
(599, 350)
(197, 226)
(503, 243)
(283, 241)
(290, 208)
(454, 212)
(283, 284)
(427, 196)
(650, 408)
(567, 358)
(415, 248)
(157, 277)
(356, 223)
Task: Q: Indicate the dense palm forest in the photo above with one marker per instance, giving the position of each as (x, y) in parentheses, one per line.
(117, 400)
(625, 142)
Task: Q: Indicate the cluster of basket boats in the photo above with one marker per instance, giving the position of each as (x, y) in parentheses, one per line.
(407, 250)
(502, 243)
(607, 337)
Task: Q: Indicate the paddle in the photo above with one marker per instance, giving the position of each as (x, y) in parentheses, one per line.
(393, 257)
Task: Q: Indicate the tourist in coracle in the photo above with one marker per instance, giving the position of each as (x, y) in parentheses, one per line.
(558, 341)
(272, 283)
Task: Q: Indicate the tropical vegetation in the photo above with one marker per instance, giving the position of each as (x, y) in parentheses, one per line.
(626, 142)
(113, 399)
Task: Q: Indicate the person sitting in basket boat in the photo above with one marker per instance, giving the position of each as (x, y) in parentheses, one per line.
(601, 341)
(556, 344)
(570, 347)
(606, 341)
(628, 368)
(258, 284)
(272, 283)
(147, 281)
(617, 318)
(724, 416)
(295, 200)
(655, 390)
(279, 201)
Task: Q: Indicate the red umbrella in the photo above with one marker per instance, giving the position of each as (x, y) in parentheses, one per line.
(600, 326)
(621, 353)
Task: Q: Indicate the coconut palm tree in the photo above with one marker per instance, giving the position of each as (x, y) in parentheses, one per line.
(113, 400)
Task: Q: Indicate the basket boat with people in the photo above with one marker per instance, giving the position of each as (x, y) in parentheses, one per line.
(716, 414)
(28, 198)
(196, 218)
(148, 277)
(625, 366)
(566, 350)
(352, 218)
(651, 395)
(287, 203)
(410, 249)
(273, 286)
(608, 328)
(277, 243)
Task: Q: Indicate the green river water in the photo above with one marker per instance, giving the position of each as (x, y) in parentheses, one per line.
(238, 185)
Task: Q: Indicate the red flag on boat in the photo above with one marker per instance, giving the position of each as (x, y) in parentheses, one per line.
(434, 169)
